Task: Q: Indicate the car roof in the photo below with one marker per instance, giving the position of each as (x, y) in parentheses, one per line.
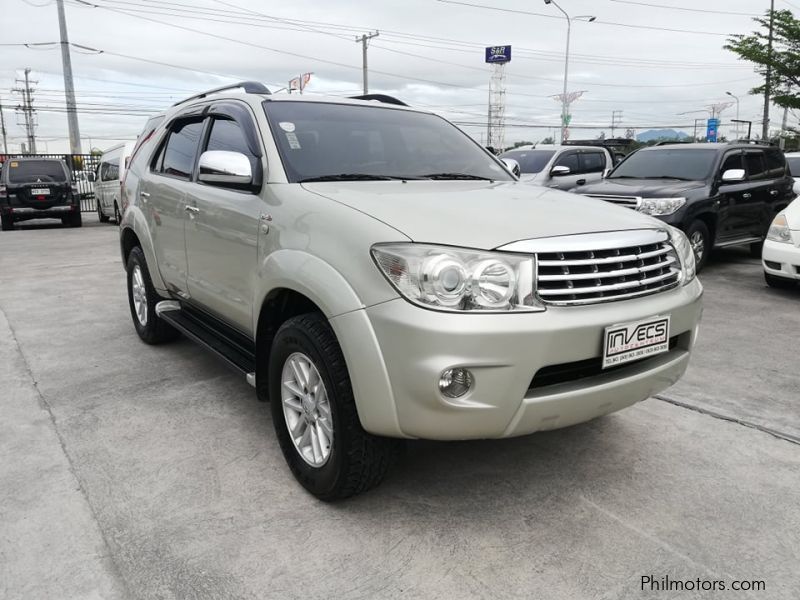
(715, 146)
(553, 147)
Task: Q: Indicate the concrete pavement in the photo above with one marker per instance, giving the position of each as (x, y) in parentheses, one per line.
(131, 471)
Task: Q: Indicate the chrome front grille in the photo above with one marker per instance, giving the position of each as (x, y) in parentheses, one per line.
(591, 276)
(626, 201)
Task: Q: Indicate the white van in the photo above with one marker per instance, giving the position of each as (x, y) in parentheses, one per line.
(110, 173)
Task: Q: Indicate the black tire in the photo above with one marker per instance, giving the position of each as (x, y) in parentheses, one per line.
(73, 220)
(154, 330)
(358, 461)
(698, 231)
(117, 214)
(100, 214)
(6, 222)
(781, 283)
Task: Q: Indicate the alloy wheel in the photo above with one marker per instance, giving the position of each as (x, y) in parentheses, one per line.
(698, 243)
(306, 409)
(139, 295)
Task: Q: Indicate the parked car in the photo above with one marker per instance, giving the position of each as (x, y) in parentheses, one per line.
(37, 188)
(793, 161)
(781, 253)
(718, 194)
(84, 182)
(107, 187)
(561, 167)
(378, 275)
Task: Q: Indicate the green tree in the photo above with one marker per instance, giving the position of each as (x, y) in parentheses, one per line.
(548, 140)
(784, 59)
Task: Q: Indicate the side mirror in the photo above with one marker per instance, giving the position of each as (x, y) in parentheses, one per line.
(732, 175)
(512, 165)
(221, 166)
(560, 171)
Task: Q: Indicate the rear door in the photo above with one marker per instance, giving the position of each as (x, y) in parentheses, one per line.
(222, 228)
(164, 193)
(756, 199)
(780, 187)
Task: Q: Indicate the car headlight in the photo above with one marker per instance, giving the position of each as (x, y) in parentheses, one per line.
(685, 254)
(779, 230)
(458, 279)
(660, 206)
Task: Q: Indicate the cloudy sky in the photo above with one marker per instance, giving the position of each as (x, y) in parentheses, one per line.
(651, 59)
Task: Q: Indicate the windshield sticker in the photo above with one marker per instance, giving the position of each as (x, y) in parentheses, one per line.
(287, 126)
(14, 164)
(294, 143)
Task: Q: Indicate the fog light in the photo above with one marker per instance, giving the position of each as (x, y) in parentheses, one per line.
(454, 383)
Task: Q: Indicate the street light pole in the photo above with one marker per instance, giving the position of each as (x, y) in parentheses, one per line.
(737, 112)
(564, 98)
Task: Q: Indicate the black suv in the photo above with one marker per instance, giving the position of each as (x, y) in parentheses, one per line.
(718, 194)
(37, 188)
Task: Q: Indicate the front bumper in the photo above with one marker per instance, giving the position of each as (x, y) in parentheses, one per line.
(781, 259)
(396, 352)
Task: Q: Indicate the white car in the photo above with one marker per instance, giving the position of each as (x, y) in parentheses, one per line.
(561, 167)
(781, 253)
(793, 160)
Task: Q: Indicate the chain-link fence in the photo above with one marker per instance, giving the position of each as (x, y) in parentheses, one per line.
(83, 170)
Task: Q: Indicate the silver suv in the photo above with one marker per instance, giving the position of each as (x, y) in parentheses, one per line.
(378, 275)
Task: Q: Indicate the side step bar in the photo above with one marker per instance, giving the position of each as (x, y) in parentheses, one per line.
(237, 352)
(739, 242)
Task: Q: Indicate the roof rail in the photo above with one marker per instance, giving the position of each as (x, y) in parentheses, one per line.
(753, 142)
(380, 98)
(250, 87)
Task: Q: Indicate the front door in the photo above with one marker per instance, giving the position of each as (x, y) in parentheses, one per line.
(570, 160)
(222, 235)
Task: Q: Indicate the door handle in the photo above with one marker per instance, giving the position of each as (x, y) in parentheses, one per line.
(191, 209)
(774, 192)
(747, 195)
(581, 182)
(144, 195)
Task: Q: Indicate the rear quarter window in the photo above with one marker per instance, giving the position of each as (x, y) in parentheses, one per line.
(776, 164)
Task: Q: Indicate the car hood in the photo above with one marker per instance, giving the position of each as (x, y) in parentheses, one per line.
(646, 188)
(480, 214)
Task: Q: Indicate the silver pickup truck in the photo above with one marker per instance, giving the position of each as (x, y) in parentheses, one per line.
(377, 275)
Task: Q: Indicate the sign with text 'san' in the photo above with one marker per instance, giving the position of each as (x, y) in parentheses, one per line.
(498, 54)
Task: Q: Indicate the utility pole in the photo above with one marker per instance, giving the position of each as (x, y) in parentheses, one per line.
(616, 117)
(3, 129)
(364, 39)
(768, 82)
(69, 85)
(27, 109)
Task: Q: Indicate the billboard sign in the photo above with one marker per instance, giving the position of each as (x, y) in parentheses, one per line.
(498, 54)
(712, 127)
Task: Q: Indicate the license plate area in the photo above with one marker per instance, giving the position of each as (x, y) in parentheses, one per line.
(40, 191)
(626, 342)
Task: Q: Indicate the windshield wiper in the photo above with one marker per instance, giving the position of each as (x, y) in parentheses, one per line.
(456, 176)
(668, 177)
(349, 177)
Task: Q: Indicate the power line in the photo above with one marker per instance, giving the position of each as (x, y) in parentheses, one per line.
(697, 10)
(596, 21)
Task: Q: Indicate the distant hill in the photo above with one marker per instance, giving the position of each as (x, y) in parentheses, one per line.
(661, 134)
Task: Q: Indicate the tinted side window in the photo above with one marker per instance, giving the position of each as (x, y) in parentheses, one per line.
(103, 171)
(754, 162)
(593, 162)
(776, 164)
(568, 160)
(732, 161)
(227, 135)
(181, 149)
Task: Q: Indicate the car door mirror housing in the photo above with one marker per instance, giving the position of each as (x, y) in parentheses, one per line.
(733, 175)
(512, 165)
(560, 171)
(223, 167)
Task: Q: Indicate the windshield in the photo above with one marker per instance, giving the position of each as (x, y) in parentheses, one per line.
(794, 165)
(530, 161)
(320, 141)
(36, 171)
(690, 164)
